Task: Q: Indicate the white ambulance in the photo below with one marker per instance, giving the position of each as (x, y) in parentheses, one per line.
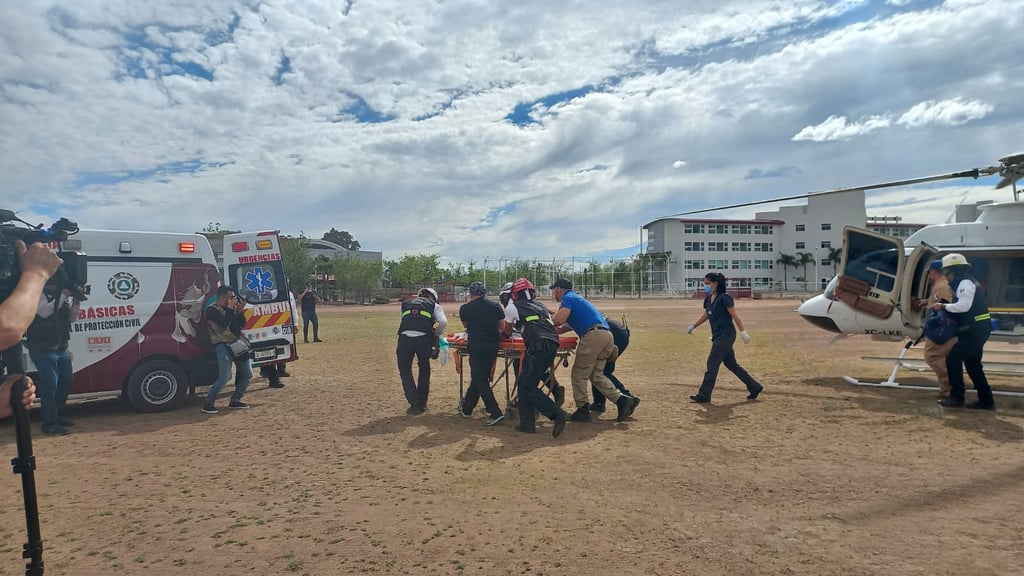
(253, 266)
(142, 332)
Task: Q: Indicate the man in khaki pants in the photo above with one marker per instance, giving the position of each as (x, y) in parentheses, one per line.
(935, 354)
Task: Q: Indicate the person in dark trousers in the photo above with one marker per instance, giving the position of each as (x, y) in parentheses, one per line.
(47, 343)
(541, 341)
(309, 299)
(620, 335)
(970, 311)
(720, 312)
(225, 320)
(548, 379)
(482, 318)
(423, 321)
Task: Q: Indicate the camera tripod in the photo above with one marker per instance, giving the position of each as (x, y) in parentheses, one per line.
(25, 463)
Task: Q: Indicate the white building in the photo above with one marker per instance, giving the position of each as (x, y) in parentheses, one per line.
(747, 251)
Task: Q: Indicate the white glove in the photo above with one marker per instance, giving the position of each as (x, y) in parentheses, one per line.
(690, 329)
(745, 336)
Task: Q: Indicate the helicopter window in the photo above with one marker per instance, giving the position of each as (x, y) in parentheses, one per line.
(1014, 295)
(830, 290)
(872, 260)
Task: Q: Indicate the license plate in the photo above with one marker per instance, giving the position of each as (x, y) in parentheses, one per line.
(264, 354)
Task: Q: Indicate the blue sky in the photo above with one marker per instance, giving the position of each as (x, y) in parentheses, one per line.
(530, 129)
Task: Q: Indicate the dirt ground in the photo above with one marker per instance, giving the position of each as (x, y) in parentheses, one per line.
(330, 476)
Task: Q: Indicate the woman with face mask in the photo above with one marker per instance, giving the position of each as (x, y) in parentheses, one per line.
(720, 312)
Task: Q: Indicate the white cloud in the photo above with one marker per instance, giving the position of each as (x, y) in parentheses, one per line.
(953, 112)
(241, 113)
(839, 128)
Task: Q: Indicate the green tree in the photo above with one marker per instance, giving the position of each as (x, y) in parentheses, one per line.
(786, 260)
(412, 270)
(214, 231)
(356, 277)
(298, 265)
(834, 256)
(341, 238)
(803, 259)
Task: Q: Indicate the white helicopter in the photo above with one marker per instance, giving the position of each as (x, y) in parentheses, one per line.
(875, 286)
(879, 276)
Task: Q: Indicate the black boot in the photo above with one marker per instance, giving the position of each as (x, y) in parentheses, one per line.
(582, 414)
(625, 404)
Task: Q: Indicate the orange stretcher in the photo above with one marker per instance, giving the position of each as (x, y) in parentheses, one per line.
(510, 350)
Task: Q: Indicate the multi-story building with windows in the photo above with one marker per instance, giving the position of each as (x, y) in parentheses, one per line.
(748, 252)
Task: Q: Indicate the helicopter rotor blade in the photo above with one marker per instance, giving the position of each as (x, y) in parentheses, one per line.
(1012, 170)
(973, 173)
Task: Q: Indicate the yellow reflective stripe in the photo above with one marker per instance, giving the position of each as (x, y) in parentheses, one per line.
(981, 317)
(406, 313)
(425, 313)
(533, 318)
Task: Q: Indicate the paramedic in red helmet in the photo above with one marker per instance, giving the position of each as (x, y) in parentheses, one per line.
(541, 341)
(970, 311)
(423, 321)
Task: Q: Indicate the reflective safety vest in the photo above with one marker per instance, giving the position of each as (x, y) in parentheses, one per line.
(977, 319)
(417, 314)
(535, 323)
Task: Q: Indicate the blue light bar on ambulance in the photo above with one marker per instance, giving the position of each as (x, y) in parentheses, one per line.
(239, 246)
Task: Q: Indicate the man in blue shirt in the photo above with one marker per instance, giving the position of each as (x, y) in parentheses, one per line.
(595, 346)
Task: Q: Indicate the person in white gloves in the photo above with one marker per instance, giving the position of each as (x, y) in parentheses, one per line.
(720, 312)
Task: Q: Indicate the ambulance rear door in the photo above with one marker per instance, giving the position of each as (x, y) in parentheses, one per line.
(253, 266)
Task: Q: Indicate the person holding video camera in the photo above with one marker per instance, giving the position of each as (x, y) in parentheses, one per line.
(225, 321)
(36, 263)
(47, 343)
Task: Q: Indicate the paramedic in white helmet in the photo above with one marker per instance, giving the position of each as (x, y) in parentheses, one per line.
(423, 322)
(970, 311)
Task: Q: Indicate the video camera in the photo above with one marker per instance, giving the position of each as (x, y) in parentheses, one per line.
(72, 274)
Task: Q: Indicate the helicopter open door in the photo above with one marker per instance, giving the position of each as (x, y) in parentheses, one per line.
(870, 280)
(916, 285)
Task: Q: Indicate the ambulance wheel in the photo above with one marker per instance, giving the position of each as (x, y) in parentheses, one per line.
(156, 386)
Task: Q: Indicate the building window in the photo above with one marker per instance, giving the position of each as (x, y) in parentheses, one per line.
(718, 228)
(826, 262)
(741, 264)
(763, 264)
(826, 243)
(718, 246)
(763, 247)
(741, 246)
(799, 245)
(718, 264)
(693, 264)
(693, 228)
(693, 246)
(763, 229)
(799, 227)
(741, 228)
(826, 226)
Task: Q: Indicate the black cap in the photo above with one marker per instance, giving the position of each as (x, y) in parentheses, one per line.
(562, 283)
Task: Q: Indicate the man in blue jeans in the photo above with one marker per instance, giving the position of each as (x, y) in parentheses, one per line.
(225, 320)
(47, 344)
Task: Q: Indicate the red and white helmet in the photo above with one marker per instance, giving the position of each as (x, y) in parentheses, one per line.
(522, 285)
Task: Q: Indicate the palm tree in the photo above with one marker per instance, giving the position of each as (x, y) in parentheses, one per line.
(786, 260)
(804, 259)
(834, 256)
